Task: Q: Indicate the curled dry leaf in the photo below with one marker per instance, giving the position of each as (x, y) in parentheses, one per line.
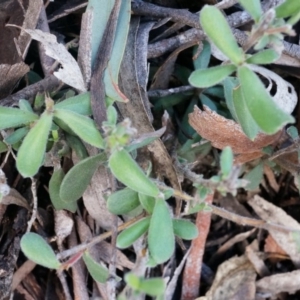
(223, 132)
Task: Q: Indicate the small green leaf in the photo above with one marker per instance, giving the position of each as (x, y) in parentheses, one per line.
(127, 171)
(244, 117)
(83, 126)
(14, 117)
(78, 178)
(253, 7)
(185, 229)
(153, 286)
(25, 105)
(204, 78)
(229, 84)
(216, 27)
(147, 202)
(292, 131)
(16, 136)
(3, 147)
(80, 104)
(112, 115)
(123, 201)
(254, 177)
(37, 250)
(31, 153)
(268, 116)
(96, 270)
(287, 8)
(128, 236)
(76, 144)
(54, 188)
(226, 161)
(202, 61)
(264, 57)
(161, 241)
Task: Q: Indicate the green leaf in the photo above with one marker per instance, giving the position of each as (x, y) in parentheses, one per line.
(185, 229)
(292, 131)
(253, 7)
(3, 147)
(80, 104)
(128, 236)
(16, 136)
(147, 202)
(37, 250)
(112, 115)
(123, 201)
(25, 105)
(202, 61)
(76, 144)
(204, 78)
(127, 171)
(83, 126)
(14, 117)
(78, 178)
(216, 27)
(254, 177)
(264, 57)
(244, 118)
(31, 153)
(287, 8)
(226, 161)
(161, 241)
(97, 271)
(111, 73)
(54, 188)
(268, 116)
(229, 84)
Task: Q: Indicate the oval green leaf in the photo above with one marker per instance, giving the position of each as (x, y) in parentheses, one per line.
(3, 147)
(25, 105)
(31, 153)
(16, 136)
(226, 161)
(243, 115)
(83, 126)
(254, 177)
(37, 250)
(96, 270)
(153, 286)
(202, 61)
(128, 236)
(54, 188)
(80, 104)
(216, 27)
(268, 116)
(253, 7)
(287, 8)
(147, 203)
(123, 201)
(78, 178)
(127, 171)
(14, 117)
(161, 240)
(77, 145)
(204, 78)
(264, 57)
(185, 229)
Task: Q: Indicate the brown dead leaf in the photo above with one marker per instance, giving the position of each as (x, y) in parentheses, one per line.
(235, 280)
(223, 132)
(271, 246)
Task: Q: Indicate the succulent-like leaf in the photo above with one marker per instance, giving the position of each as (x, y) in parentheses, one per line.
(3, 147)
(25, 105)
(147, 202)
(97, 271)
(123, 201)
(254, 177)
(127, 171)
(80, 104)
(185, 229)
(16, 136)
(202, 61)
(37, 250)
(78, 178)
(14, 117)
(161, 241)
(226, 161)
(287, 8)
(128, 236)
(83, 126)
(244, 117)
(219, 32)
(31, 153)
(204, 78)
(54, 188)
(253, 7)
(268, 116)
(264, 57)
(229, 84)
(77, 145)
